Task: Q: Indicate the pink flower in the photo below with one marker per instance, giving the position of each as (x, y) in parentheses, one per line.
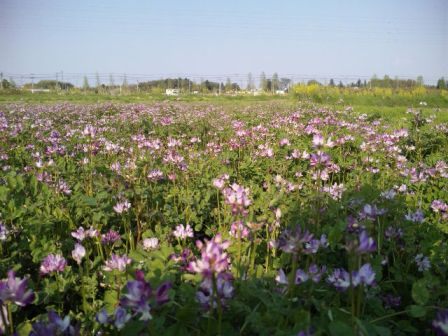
(117, 262)
(53, 263)
(214, 259)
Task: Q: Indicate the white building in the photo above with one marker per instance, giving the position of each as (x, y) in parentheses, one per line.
(172, 92)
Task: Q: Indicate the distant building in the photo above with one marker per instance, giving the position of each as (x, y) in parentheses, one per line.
(39, 90)
(280, 92)
(172, 92)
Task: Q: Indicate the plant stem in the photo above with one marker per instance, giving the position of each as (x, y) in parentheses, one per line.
(218, 301)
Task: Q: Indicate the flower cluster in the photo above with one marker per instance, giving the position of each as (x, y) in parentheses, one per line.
(340, 278)
(80, 234)
(440, 323)
(117, 262)
(224, 291)
(122, 206)
(422, 262)
(150, 244)
(139, 299)
(183, 232)
(55, 326)
(15, 290)
(238, 198)
(314, 274)
(53, 263)
(78, 253)
(295, 241)
(110, 237)
(214, 260)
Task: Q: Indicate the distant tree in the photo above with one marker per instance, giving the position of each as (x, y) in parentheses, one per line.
(285, 83)
(441, 84)
(358, 83)
(341, 85)
(313, 82)
(331, 82)
(111, 80)
(4, 84)
(85, 84)
(275, 82)
(263, 82)
(420, 81)
(125, 82)
(268, 86)
(228, 85)
(250, 82)
(98, 82)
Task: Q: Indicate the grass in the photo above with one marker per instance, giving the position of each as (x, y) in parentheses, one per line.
(391, 108)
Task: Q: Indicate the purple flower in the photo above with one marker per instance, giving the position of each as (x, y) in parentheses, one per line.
(416, 217)
(318, 140)
(366, 243)
(117, 262)
(422, 262)
(365, 275)
(281, 277)
(55, 326)
(393, 233)
(53, 263)
(155, 175)
(238, 229)
(3, 232)
(340, 279)
(206, 295)
(315, 273)
(440, 323)
(371, 212)
(110, 237)
(391, 301)
(238, 198)
(79, 234)
(102, 317)
(82, 234)
(295, 241)
(439, 206)
(78, 253)
(183, 232)
(221, 181)
(121, 207)
(150, 243)
(319, 158)
(162, 293)
(301, 277)
(15, 290)
(138, 295)
(121, 318)
(214, 259)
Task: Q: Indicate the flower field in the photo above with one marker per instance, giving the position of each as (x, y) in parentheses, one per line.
(179, 218)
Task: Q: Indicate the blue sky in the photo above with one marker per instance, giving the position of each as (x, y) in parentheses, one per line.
(320, 38)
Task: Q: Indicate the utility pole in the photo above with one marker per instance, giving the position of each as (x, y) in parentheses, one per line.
(32, 83)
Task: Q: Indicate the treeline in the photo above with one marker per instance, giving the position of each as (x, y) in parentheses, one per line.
(187, 85)
(49, 84)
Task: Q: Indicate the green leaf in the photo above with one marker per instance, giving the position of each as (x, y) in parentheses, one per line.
(417, 311)
(338, 328)
(419, 293)
(90, 201)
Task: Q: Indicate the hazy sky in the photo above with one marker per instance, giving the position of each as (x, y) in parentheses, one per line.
(322, 38)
